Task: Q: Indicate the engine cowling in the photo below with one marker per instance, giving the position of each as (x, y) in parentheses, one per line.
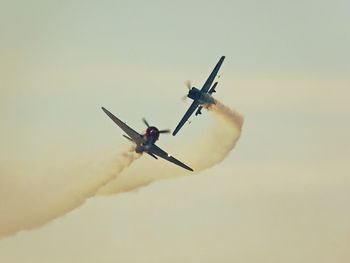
(152, 134)
(194, 93)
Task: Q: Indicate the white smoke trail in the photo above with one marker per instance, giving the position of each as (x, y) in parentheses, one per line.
(223, 137)
(210, 149)
(35, 203)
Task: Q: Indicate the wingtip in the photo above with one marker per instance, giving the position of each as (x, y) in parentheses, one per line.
(188, 168)
(104, 109)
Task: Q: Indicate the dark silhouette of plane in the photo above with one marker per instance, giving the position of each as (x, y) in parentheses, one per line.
(200, 97)
(146, 142)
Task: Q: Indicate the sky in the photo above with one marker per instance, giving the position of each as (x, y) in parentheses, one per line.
(281, 195)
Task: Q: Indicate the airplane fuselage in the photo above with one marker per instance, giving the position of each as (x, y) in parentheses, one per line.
(202, 97)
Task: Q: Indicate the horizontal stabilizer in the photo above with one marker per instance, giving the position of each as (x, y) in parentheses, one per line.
(155, 157)
(128, 138)
(199, 111)
(212, 89)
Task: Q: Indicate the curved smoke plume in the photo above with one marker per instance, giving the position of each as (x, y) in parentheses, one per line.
(36, 196)
(31, 196)
(208, 150)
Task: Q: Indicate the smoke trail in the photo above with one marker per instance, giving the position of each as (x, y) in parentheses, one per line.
(210, 148)
(34, 204)
(223, 137)
(28, 204)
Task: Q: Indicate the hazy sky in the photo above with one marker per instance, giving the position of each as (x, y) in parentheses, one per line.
(282, 195)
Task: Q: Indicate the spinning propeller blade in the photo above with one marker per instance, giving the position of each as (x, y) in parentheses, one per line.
(165, 131)
(145, 122)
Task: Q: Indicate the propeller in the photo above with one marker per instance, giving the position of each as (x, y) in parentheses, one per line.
(145, 122)
(165, 131)
(189, 86)
(160, 131)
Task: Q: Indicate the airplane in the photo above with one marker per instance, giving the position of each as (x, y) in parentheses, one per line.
(146, 142)
(200, 97)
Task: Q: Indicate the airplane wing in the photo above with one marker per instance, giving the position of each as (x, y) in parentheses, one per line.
(188, 113)
(135, 136)
(162, 154)
(212, 76)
